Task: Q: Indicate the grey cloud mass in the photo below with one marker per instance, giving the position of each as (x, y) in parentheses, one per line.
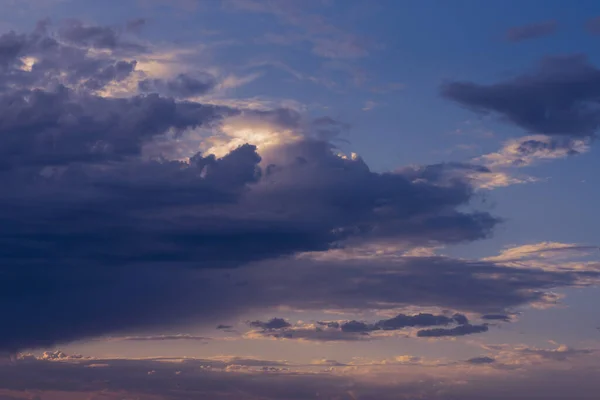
(98, 239)
(559, 97)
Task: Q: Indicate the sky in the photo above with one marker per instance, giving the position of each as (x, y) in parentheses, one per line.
(286, 199)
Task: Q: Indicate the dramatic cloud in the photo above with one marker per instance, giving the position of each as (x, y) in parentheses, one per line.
(531, 31)
(98, 238)
(560, 97)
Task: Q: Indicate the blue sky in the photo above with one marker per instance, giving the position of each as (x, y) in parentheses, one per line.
(340, 199)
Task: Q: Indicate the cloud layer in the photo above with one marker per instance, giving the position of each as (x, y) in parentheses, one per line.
(97, 237)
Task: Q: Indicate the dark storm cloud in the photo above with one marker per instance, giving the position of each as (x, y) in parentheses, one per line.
(135, 215)
(560, 97)
(460, 330)
(531, 31)
(52, 128)
(183, 85)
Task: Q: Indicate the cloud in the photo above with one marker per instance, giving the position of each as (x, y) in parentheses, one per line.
(310, 333)
(87, 212)
(525, 152)
(159, 338)
(100, 239)
(496, 317)
(460, 330)
(329, 331)
(559, 97)
(531, 31)
(561, 353)
(481, 360)
(182, 86)
(529, 150)
(275, 323)
(512, 375)
(551, 256)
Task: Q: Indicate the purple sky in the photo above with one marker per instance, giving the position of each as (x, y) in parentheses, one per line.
(289, 199)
